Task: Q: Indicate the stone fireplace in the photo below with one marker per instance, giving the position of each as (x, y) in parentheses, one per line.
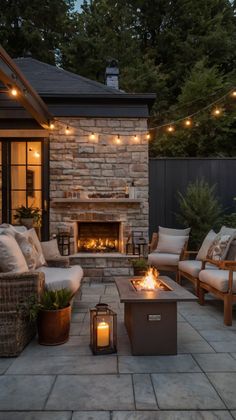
(99, 188)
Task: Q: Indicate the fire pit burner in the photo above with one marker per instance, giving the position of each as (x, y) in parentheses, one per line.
(150, 282)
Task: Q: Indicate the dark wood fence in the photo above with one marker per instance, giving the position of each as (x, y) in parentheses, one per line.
(167, 176)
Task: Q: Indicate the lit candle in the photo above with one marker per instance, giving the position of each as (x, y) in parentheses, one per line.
(103, 334)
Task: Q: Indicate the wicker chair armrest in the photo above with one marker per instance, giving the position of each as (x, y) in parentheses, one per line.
(228, 265)
(191, 252)
(16, 287)
(61, 262)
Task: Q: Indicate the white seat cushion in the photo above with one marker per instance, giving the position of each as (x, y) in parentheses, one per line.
(60, 278)
(193, 267)
(11, 257)
(218, 279)
(159, 259)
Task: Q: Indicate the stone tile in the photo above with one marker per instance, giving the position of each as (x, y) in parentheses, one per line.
(222, 346)
(233, 413)
(151, 364)
(91, 415)
(24, 392)
(225, 384)
(92, 392)
(218, 334)
(143, 392)
(221, 362)
(180, 318)
(123, 345)
(185, 391)
(91, 298)
(65, 365)
(195, 347)
(187, 333)
(76, 328)
(35, 415)
(171, 415)
(5, 363)
(93, 289)
(77, 317)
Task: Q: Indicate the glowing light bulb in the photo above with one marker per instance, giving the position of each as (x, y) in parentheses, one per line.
(170, 129)
(52, 126)
(14, 92)
(148, 136)
(217, 112)
(118, 140)
(135, 138)
(233, 94)
(188, 123)
(67, 131)
(92, 136)
(36, 154)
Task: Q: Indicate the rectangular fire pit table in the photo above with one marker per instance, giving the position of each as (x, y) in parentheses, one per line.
(151, 316)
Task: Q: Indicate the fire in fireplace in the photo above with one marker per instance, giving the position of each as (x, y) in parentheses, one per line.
(98, 237)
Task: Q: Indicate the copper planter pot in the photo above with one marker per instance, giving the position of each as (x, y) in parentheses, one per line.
(54, 326)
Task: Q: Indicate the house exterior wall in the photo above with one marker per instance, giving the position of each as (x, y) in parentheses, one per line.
(101, 167)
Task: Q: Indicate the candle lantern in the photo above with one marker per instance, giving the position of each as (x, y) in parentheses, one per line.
(103, 329)
(137, 245)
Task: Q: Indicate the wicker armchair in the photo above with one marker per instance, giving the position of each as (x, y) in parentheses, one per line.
(16, 330)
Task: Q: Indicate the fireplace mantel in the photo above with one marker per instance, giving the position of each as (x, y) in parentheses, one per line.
(95, 200)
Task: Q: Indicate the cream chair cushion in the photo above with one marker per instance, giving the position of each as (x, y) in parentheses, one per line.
(27, 248)
(174, 232)
(219, 279)
(159, 259)
(33, 237)
(12, 259)
(59, 278)
(170, 244)
(193, 267)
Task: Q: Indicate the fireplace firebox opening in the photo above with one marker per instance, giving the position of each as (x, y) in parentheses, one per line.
(99, 237)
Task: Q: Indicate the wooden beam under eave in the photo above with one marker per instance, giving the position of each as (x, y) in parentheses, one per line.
(24, 133)
(11, 76)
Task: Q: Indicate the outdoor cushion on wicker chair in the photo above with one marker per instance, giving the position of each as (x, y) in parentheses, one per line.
(160, 259)
(219, 279)
(193, 267)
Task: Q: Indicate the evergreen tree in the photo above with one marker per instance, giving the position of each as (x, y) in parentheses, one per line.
(35, 27)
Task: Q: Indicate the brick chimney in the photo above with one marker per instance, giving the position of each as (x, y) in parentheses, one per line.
(112, 74)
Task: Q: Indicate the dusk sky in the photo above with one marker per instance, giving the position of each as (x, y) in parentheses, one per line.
(78, 3)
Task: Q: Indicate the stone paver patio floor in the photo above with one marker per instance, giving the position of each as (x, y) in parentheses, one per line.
(68, 383)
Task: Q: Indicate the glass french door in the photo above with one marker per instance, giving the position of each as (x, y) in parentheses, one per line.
(24, 179)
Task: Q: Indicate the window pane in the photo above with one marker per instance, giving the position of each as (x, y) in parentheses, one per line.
(18, 198)
(18, 177)
(33, 178)
(18, 152)
(34, 152)
(35, 199)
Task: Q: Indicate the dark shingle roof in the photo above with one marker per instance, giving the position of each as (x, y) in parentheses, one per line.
(49, 80)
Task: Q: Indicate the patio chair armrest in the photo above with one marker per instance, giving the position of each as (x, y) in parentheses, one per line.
(154, 242)
(208, 260)
(61, 262)
(228, 265)
(187, 254)
(16, 287)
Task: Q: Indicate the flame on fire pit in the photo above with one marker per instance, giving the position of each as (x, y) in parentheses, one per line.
(150, 281)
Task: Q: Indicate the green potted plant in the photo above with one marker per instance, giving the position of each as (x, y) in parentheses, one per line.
(140, 266)
(53, 315)
(28, 216)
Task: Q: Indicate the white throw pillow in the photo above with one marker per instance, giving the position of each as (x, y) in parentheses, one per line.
(12, 230)
(228, 231)
(50, 249)
(174, 232)
(40, 260)
(28, 249)
(203, 251)
(11, 257)
(219, 247)
(171, 244)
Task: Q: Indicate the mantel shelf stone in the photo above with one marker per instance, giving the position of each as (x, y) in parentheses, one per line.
(95, 200)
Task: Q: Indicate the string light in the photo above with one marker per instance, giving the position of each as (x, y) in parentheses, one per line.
(188, 123)
(67, 131)
(135, 138)
(14, 92)
(118, 140)
(52, 125)
(233, 94)
(170, 129)
(216, 112)
(92, 136)
(148, 136)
